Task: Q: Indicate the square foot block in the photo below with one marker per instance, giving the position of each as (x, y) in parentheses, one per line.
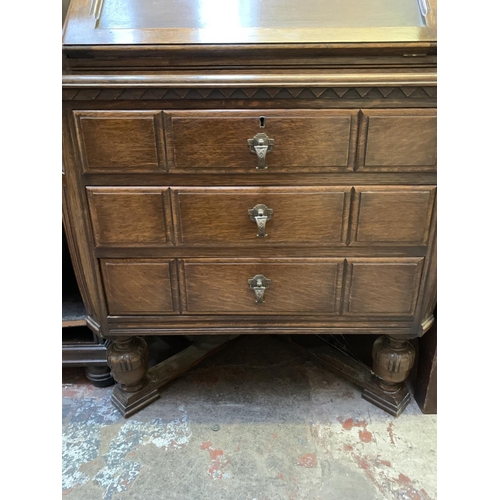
(130, 403)
(392, 402)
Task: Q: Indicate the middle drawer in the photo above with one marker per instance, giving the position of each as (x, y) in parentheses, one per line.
(263, 215)
(216, 217)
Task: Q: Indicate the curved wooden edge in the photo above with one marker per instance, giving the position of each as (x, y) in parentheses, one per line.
(89, 319)
(248, 80)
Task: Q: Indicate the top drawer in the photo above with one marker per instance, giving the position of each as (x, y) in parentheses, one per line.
(278, 141)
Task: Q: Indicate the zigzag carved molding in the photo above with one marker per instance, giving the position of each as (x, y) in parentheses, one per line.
(155, 94)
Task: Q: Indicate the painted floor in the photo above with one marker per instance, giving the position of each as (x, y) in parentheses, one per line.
(288, 429)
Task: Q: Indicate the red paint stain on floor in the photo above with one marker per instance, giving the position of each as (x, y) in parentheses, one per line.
(348, 424)
(215, 469)
(348, 447)
(280, 475)
(275, 435)
(206, 445)
(365, 465)
(214, 454)
(77, 391)
(401, 488)
(391, 432)
(365, 436)
(408, 491)
(308, 460)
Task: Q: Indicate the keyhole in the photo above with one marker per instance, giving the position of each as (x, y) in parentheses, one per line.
(262, 121)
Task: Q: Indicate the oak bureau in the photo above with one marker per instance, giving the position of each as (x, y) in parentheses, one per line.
(251, 166)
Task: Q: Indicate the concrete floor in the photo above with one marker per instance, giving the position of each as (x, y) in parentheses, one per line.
(289, 429)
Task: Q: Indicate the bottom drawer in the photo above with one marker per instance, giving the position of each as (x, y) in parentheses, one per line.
(266, 286)
(353, 287)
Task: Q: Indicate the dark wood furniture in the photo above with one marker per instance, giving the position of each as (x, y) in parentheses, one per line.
(242, 167)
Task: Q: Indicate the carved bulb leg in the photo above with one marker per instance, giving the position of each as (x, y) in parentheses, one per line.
(393, 359)
(128, 360)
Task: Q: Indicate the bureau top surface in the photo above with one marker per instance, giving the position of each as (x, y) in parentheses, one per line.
(208, 22)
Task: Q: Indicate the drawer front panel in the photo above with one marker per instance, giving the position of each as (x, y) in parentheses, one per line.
(392, 215)
(121, 141)
(398, 140)
(292, 216)
(386, 287)
(139, 286)
(303, 141)
(140, 217)
(297, 286)
(130, 216)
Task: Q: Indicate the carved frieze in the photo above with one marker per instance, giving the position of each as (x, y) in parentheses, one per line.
(155, 94)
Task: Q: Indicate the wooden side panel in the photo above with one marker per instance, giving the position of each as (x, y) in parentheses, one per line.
(297, 286)
(301, 216)
(392, 215)
(382, 286)
(399, 140)
(139, 286)
(313, 141)
(130, 216)
(121, 141)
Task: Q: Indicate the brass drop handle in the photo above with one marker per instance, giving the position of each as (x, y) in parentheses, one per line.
(260, 145)
(260, 214)
(259, 284)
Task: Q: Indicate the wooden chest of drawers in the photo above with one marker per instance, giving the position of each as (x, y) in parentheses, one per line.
(279, 178)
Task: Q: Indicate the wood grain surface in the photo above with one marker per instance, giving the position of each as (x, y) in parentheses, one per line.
(121, 141)
(301, 216)
(297, 286)
(137, 217)
(139, 286)
(303, 140)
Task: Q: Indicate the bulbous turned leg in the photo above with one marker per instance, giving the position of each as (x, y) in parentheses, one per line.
(393, 359)
(128, 360)
(137, 386)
